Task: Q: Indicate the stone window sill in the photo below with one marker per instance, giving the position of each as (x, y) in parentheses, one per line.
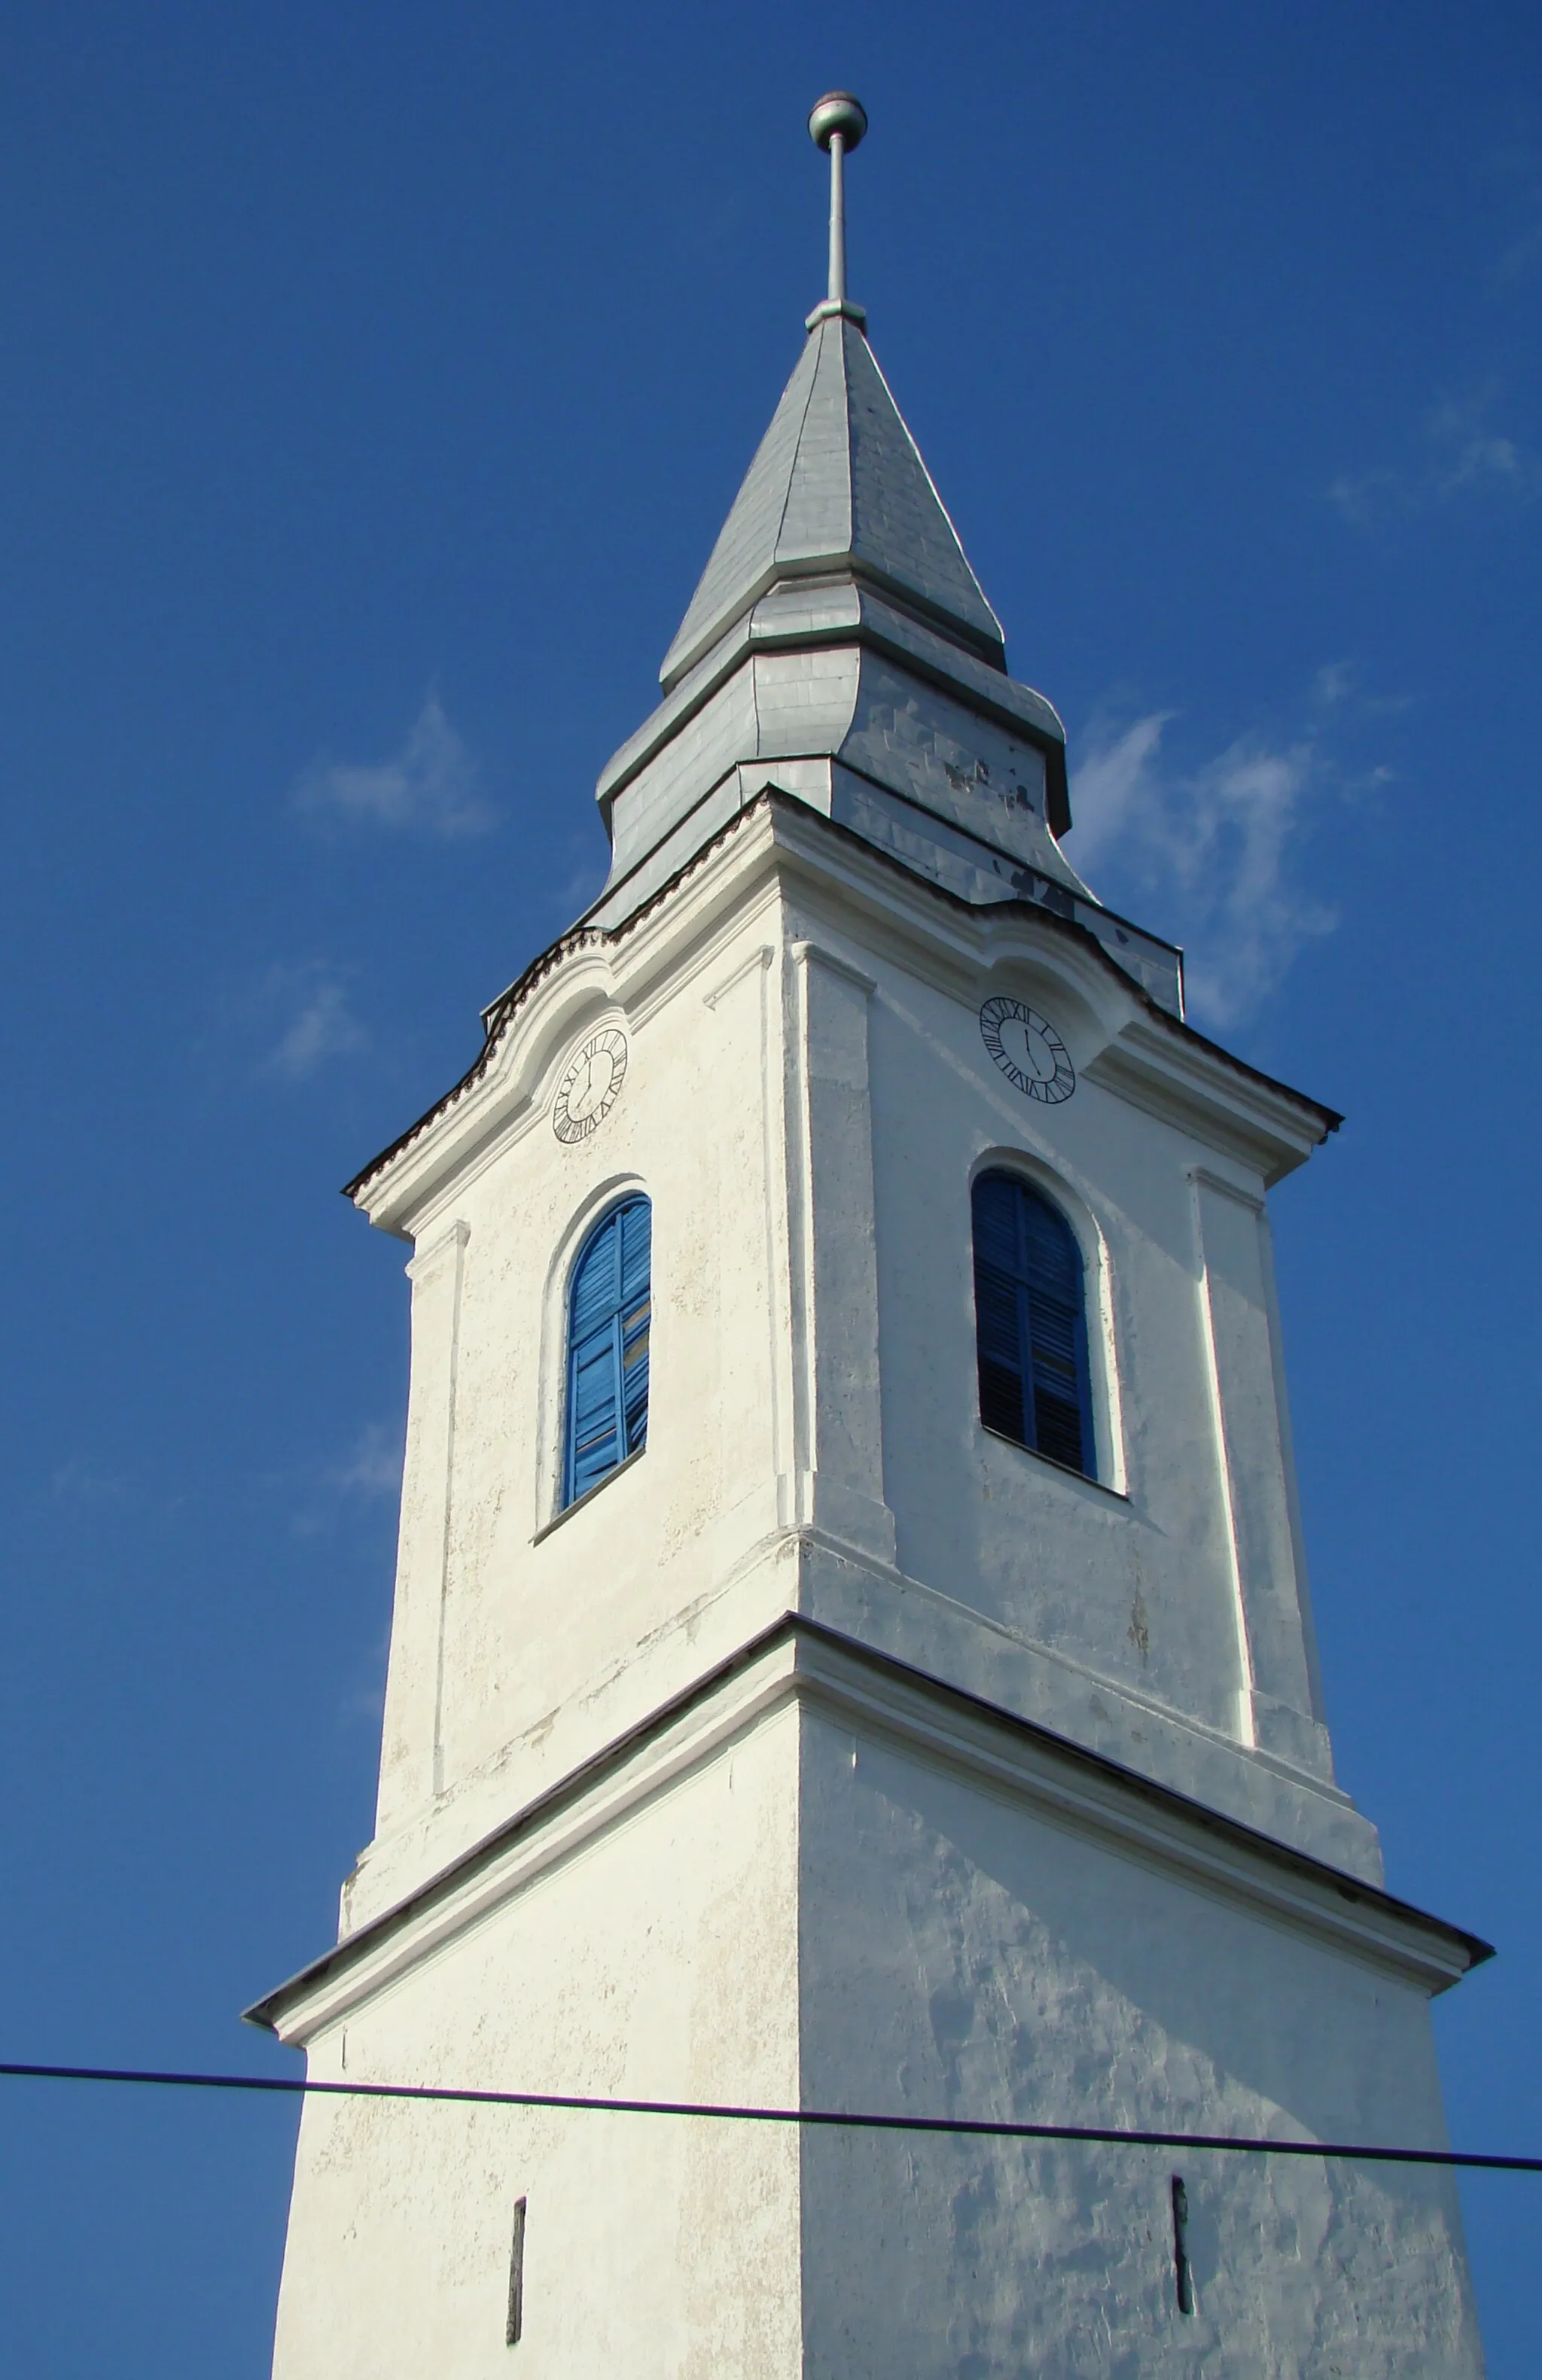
(1066, 1470)
(588, 1495)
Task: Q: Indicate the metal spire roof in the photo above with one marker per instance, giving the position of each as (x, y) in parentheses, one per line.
(837, 485)
(840, 651)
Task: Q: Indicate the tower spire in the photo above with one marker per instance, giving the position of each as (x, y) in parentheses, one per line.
(836, 123)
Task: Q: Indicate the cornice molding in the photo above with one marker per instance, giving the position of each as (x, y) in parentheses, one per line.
(1151, 1058)
(800, 1661)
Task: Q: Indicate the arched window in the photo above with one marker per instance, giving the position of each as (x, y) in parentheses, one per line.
(1031, 1322)
(607, 1415)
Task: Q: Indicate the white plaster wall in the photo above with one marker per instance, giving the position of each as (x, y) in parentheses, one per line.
(408, 1750)
(1131, 1577)
(1003, 1967)
(824, 1910)
(1136, 1578)
(530, 1623)
(806, 1098)
(657, 1962)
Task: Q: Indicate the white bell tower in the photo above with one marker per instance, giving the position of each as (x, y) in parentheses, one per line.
(850, 1644)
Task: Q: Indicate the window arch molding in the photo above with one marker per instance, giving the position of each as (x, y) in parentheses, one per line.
(551, 1438)
(1097, 1293)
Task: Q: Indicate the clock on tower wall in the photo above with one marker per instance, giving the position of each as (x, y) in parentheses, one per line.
(1029, 1050)
(591, 1086)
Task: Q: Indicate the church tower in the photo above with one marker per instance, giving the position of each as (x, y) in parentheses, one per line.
(851, 1647)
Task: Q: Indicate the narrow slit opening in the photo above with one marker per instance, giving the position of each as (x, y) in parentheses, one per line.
(1182, 2269)
(516, 2319)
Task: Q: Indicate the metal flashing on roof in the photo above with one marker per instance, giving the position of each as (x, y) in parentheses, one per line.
(825, 612)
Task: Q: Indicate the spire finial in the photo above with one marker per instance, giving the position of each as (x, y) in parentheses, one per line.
(836, 123)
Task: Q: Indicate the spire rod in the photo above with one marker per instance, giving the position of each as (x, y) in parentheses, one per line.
(836, 123)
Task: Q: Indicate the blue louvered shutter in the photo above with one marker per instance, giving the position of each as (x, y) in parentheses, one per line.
(1031, 1322)
(608, 1347)
(1052, 1263)
(637, 1221)
(999, 1305)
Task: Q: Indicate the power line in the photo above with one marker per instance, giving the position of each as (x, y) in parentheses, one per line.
(830, 2117)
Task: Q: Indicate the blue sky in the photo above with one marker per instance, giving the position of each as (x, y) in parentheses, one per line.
(374, 382)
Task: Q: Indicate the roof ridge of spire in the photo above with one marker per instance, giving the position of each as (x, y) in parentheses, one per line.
(797, 444)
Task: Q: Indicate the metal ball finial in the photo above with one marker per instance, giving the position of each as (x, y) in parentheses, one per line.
(838, 112)
(836, 123)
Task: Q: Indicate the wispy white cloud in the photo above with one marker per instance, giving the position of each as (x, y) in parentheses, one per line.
(1361, 496)
(368, 1474)
(1110, 787)
(1209, 855)
(302, 1016)
(583, 877)
(1520, 255)
(1515, 168)
(432, 785)
(1459, 454)
(372, 1467)
(362, 1696)
(79, 1481)
(1466, 452)
(1333, 685)
(1336, 689)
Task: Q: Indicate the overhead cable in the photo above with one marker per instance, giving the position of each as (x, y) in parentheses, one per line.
(969, 2127)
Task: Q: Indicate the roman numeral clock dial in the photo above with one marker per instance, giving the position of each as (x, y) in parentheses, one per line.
(1028, 1051)
(590, 1088)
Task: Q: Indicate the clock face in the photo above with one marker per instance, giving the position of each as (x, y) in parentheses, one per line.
(590, 1088)
(1028, 1051)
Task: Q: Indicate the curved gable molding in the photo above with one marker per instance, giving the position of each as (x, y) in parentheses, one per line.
(777, 843)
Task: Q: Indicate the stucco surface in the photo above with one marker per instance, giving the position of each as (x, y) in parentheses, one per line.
(807, 1904)
(805, 1103)
(619, 1850)
(658, 1961)
(1004, 1967)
